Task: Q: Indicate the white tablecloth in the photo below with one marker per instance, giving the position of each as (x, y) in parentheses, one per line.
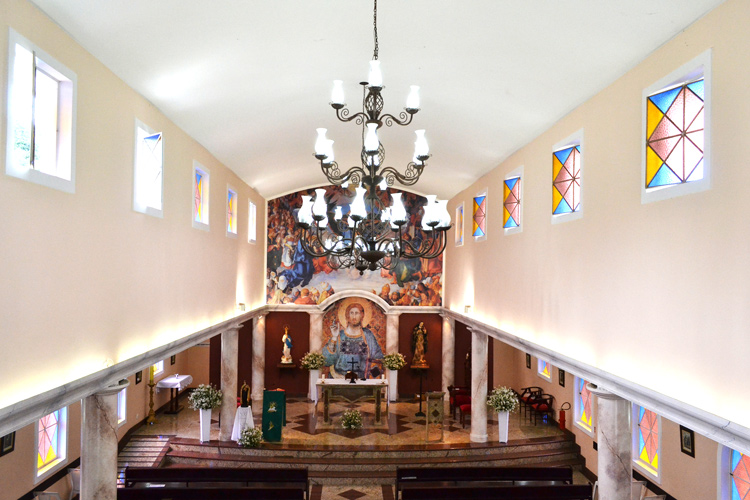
(178, 382)
(242, 419)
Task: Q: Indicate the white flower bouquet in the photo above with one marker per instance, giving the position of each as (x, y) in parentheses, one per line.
(205, 397)
(351, 419)
(394, 361)
(312, 361)
(251, 437)
(502, 399)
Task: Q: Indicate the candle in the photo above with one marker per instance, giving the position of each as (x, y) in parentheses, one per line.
(151, 374)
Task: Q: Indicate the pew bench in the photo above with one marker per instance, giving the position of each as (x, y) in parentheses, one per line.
(237, 493)
(558, 492)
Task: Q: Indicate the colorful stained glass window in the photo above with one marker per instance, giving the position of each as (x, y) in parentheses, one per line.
(512, 203)
(479, 228)
(149, 164)
(583, 405)
(48, 439)
(566, 183)
(231, 212)
(200, 209)
(648, 439)
(739, 473)
(460, 225)
(674, 135)
(543, 369)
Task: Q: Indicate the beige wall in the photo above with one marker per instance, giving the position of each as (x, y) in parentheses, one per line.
(87, 279)
(655, 293)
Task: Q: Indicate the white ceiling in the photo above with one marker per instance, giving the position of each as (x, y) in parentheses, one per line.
(250, 80)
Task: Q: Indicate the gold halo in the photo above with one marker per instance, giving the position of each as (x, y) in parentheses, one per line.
(343, 321)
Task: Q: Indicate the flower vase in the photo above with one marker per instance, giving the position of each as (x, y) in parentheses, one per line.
(502, 426)
(313, 392)
(392, 385)
(205, 425)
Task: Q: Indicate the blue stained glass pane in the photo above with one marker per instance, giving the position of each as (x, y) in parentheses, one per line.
(641, 412)
(665, 99)
(563, 207)
(736, 457)
(641, 443)
(563, 154)
(198, 177)
(479, 199)
(664, 177)
(511, 183)
(510, 223)
(478, 232)
(697, 88)
(735, 493)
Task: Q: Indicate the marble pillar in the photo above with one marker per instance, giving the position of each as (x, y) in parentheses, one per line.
(229, 352)
(391, 347)
(99, 444)
(478, 387)
(259, 358)
(449, 351)
(316, 331)
(614, 435)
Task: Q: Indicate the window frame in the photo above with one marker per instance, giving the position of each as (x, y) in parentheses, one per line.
(122, 407)
(484, 193)
(586, 428)
(252, 222)
(515, 174)
(645, 469)
(62, 447)
(228, 224)
(66, 118)
(158, 367)
(137, 205)
(693, 70)
(206, 193)
(575, 139)
(539, 369)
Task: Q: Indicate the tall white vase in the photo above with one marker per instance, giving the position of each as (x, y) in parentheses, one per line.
(502, 426)
(392, 385)
(205, 425)
(313, 390)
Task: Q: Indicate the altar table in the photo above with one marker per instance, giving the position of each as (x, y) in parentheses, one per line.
(242, 419)
(352, 392)
(174, 383)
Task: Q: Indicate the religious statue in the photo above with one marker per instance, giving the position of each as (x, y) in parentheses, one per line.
(353, 348)
(287, 341)
(419, 346)
(245, 395)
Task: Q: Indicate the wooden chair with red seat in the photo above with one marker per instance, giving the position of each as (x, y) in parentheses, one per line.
(527, 396)
(458, 396)
(463, 410)
(543, 407)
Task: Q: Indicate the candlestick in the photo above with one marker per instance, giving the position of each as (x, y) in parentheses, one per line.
(151, 414)
(151, 374)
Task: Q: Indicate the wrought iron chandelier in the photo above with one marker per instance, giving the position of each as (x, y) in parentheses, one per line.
(372, 235)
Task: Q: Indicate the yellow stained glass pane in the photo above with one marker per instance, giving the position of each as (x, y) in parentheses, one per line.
(506, 216)
(653, 117)
(556, 166)
(653, 164)
(655, 462)
(556, 197)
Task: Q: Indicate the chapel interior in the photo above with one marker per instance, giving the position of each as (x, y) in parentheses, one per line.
(618, 293)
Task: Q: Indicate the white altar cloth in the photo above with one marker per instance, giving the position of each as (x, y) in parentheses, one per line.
(178, 382)
(242, 419)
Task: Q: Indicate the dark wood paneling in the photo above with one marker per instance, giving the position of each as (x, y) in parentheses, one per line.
(462, 374)
(408, 379)
(245, 356)
(293, 380)
(214, 361)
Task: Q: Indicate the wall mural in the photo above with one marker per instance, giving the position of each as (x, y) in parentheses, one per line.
(295, 277)
(353, 338)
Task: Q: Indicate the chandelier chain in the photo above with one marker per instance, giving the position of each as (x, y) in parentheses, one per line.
(375, 30)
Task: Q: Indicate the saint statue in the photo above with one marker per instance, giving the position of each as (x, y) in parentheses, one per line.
(287, 341)
(419, 345)
(352, 348)
(245, 395)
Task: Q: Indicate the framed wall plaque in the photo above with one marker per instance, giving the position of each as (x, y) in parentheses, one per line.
(7, 443)
(687, 441)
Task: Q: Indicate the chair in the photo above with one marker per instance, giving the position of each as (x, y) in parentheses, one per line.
(528, 394)
(458, 396)
(74, 476)
(47, 495)
(464, 410)
(542, 407)
(656, 497)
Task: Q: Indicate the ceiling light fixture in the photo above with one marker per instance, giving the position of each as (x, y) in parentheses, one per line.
(371, 235)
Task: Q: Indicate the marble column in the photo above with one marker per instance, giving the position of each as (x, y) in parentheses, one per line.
(99, 444)
(478, 387)
(391, 347)
(316, 331)
(259, 358)
(449, 352)
(229, 353)
(614, 434)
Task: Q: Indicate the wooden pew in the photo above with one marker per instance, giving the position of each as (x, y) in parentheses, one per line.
(559, 492)
(476, 476)
(201, 478)
(241, 493)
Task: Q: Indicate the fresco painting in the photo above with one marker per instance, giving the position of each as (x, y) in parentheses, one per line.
(293, 277)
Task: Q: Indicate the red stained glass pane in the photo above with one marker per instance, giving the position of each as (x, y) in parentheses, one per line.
(665, 129)
(572, 163)
(563, 175)
(664, 147)
(676, 111)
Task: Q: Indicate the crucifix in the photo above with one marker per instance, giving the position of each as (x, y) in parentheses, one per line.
(352, 376)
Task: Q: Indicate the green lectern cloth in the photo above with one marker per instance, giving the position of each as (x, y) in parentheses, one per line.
(274, 414)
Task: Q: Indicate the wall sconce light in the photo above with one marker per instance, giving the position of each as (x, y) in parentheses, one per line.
(467, 309)
(241, 306)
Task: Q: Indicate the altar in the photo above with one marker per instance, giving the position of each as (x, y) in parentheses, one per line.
(371, 388)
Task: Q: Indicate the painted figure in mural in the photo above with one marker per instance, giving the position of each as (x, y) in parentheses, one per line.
(301, 270)
(352, 343)
(419, 345)
(287, 341)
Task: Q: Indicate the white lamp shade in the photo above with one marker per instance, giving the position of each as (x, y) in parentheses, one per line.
(372, 143)
(337, 94)
(420, 146)
(375, 78)
(398, 212)
(429, 212)
(338, 215)
(383, 185)
(385, 214)
(319, 207)
(441, 213)
(304, 215)
(412, 101)
(328, 151)
(358, 206)
(320, 142)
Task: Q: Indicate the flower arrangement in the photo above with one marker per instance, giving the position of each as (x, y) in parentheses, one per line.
(250, 437)
(312, 361)
(394, 361)
(351, 419)
(205, 397)
(503, 399)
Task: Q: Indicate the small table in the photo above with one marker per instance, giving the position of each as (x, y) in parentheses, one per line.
(174, 383)
(242, 419)
(352, 392)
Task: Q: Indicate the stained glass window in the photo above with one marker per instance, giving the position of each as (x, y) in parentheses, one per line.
(122, 406)
(544, 369)
(200, 196)
(512, 203)
(648, 443)
(584, 409)
(231, 212)
(566, 183)
(51, 440)
(251, 223)
(674, 130)
(739, 472)
(149, 165)
(479, 227)
(460, 225)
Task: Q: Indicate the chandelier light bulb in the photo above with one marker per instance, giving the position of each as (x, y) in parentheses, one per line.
(421, 149)
(375, 78)
(383, 185)
(385, 214)
(328, 151)
(320, 142)
(304, 216)
(429, 212)
(338, 215)
(412, 102)
(319, 208)
(372, 143)
(337, 94)
(441, 213)
(398, 212)
(358, 206)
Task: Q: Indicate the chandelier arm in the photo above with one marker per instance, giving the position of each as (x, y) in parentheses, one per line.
(343, 115)
(408, 178)
(405, 119)
(332, 173)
